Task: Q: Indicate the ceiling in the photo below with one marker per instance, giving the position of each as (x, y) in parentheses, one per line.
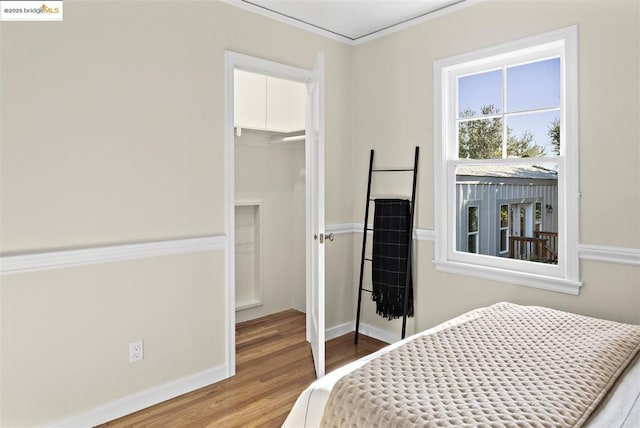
(352, 20)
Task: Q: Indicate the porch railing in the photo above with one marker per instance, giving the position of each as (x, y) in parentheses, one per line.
(543, 247)
(552, 244)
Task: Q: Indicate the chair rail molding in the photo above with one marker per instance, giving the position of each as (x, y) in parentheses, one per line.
(600, 253)
(104, 254)
(603, 253)
(59, 259)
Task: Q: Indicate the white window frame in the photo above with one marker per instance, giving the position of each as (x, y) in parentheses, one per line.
(563, 277)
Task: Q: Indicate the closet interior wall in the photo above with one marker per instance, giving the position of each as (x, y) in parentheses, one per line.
(271, 175)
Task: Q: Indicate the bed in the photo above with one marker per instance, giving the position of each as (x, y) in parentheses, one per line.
(518, 366)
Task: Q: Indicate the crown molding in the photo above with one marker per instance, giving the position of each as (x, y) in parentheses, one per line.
(288, 20)
(446, 10)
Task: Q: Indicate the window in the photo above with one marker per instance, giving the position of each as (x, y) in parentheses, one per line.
(506, 137)
(509, 112)
(504, 228)
(538, 225)
(473, 240)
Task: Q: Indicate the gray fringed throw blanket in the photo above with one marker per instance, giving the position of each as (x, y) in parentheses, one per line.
(389, 266)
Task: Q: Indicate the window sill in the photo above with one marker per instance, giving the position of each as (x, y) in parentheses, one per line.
(543, 282)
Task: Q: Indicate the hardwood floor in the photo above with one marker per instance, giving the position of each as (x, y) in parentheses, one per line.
(273, 366)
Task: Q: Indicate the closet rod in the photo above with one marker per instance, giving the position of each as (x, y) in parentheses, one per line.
(288, 138)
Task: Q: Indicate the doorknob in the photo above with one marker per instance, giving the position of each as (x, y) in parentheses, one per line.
(322, 237)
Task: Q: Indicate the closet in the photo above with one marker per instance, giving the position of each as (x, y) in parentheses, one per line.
(269, 120)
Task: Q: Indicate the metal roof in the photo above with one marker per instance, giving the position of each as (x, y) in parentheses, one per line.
(508, 171)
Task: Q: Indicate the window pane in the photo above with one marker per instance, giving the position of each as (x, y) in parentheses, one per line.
(503, 241)
(480, 94)
(472, 244)
(522, 203)
(504, 215)
(533, 86)
(480, 139)
(473, 219)
(533, 134)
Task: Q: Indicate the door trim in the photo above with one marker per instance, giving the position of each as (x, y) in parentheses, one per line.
(233, 61)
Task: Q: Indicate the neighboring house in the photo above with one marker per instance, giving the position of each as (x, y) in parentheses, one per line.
(507, 211)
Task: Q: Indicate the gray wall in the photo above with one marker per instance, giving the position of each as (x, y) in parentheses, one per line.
(489, 196)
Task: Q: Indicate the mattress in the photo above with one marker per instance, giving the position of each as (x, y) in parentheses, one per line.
(621, 407)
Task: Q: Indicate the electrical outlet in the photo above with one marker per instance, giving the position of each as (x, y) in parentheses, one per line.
(136, 351)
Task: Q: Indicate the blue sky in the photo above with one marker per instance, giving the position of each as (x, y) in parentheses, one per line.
(529, 86)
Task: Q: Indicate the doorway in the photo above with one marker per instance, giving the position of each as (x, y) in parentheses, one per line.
(269, 121)
(313, 81)
(522, 219)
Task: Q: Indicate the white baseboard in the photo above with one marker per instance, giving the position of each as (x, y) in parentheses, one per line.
(366, 329)
(339, 330)
(144, 399)
(378, 333)
(149, 397)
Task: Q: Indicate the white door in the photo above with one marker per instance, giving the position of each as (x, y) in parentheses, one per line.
(522, 221)
(315, 213)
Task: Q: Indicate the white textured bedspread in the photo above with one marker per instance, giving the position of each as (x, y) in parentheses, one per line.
(508, 365)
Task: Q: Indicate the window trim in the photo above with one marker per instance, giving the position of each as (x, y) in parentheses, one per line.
(563, 277)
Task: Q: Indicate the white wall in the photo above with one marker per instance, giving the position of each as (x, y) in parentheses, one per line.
(274, 175)
(112, 132)
(393, 112)
(65, 332)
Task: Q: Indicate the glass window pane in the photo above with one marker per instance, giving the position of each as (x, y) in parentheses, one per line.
(504, 215)
(480, 139)
(533, 86)
(480, 94)
(472, 243)
(473, 219)
(533, 135)
(503, 241)
(520, 200)
(538, 225)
